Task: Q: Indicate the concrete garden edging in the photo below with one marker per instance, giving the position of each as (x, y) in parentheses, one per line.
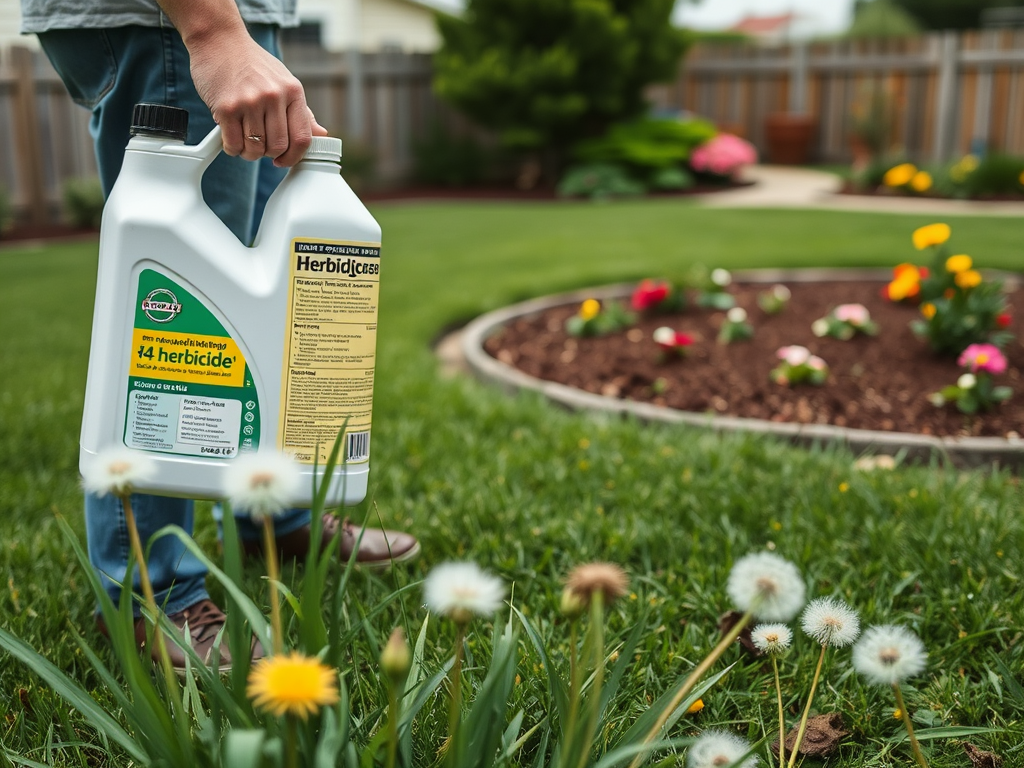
(963, 452)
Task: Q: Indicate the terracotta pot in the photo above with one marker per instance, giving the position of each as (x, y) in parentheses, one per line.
(790, 137)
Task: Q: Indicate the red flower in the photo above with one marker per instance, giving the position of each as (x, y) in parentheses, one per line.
(1003, 320)
(649, 294)
(671, 341)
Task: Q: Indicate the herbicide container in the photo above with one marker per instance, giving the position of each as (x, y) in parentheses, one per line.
(204, 349)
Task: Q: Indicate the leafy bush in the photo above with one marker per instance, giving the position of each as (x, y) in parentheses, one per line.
(647, 145)
(83, 202)
(447, 160)
(6, 214)
(671, 178)
(599, 181)
(547, 74)
(995, 175)
(358, 164)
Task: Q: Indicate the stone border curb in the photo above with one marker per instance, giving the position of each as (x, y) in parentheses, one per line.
(962, 452)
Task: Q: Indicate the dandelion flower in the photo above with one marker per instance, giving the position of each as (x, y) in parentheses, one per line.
(117, 470)
(767, 585)
(831, 622)
(459, 590)
(772, 639)
(889, 654)
(718, 749)
(607, 578)
(263, 484)
(292, 685)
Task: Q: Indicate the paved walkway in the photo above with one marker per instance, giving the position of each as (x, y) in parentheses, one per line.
(780, 186)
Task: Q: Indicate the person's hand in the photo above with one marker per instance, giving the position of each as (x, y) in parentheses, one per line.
(259, 105)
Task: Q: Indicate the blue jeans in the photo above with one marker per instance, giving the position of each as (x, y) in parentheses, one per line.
(108, 71)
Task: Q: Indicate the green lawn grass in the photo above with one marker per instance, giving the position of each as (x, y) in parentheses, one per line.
(528, 490)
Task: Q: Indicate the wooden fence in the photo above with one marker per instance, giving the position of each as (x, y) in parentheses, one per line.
(44, 136)
(950, 92)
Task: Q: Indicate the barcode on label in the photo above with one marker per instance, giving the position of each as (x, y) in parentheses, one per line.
(358, 446)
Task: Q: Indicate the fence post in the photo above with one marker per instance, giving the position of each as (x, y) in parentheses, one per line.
(28, 147)
(945, 102)
(983, 101)
(798, 78)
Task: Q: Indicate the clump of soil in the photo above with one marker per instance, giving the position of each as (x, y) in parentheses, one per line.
(879, 383)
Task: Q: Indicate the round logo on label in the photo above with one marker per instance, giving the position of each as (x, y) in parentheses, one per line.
(161, 306)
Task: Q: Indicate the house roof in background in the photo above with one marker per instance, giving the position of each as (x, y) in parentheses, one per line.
(763, 25)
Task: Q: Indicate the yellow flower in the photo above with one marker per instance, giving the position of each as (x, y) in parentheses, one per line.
(968, 163)
(921, 181)
(1021, 178)
(928, 310)
(844, 487)
(959, 263)
(589, 309)
(968, 278)
(899, 175)
(292, 685)
(897, 714)
(932, 234)
(696, 707)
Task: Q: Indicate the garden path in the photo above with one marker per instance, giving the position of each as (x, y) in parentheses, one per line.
(778, 186)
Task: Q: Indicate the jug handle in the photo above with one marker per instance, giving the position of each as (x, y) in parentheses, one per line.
(206, 150)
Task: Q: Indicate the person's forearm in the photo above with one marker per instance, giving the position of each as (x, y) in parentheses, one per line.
(197, 21)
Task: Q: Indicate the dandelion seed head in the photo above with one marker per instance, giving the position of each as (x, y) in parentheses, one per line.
(831, 622)
(263, 484)
(606, 578)
(462, 590)
(889, 654)
(717, 749)
(767, 585)
(772, 639)
(117, 470)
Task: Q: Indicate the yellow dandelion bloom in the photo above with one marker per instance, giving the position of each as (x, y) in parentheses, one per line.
(589, 309)
(899, 175)
(931, 234)
(1021, 178)
(968, 278)
(844, 487)
(960, 263)
(928, 310)
(292, 684)
(696, 707)
(969, 163)
(921, 181)
(897, 714)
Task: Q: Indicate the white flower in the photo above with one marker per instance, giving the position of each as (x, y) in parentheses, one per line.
(819, 327)
(262, 484)
(117, 470)
(781, 292)
(767, 585)
(967, 381)
(459, 590)
(773, 639)
(889, 654)
(830, 622)
(718, 749)
(736, 315)
(664, 335)
(817, 363)
(794, 355)
(721, 277)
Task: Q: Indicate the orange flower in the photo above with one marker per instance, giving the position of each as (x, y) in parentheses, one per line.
(899, 175)
(921, 181)
(928, 310)
(968, 278)
(932, 234)
(906, 282)
(959, 263)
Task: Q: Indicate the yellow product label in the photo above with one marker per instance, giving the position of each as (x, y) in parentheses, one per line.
(187, 357)
(330, 348)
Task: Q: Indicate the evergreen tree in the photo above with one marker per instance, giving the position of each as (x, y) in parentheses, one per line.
(546, 73)
(952, 14)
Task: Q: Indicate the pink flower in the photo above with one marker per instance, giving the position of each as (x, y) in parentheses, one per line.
(854, 314)
(794, 355)
(723, 155)
(816, 363)
(649, 294)
(983, 357)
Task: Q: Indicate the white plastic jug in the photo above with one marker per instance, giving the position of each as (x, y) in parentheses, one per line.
(204, 349)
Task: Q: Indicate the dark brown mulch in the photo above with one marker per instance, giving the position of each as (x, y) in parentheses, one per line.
(849, 188)
(879, 383)
(508, 193)
(24, 232)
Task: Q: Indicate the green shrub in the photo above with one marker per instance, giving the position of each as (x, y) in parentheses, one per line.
(648, 144)
(358, 164)
(996, 174)
(599, 181)
(6, 212)
(671, 179)
(83, 202)
(449, 161)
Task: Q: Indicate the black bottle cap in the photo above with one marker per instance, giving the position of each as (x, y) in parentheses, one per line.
(159, 120)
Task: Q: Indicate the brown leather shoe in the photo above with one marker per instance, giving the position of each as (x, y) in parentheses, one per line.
(377, 548)
(204, 620)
